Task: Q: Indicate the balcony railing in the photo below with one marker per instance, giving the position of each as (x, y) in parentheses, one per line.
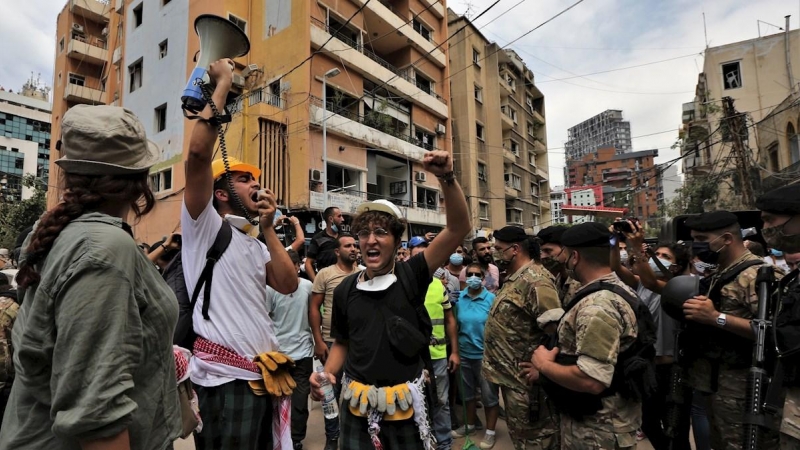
(401, 73)
(783, 177)
(369, 196)
(258, 96)
(371, 121)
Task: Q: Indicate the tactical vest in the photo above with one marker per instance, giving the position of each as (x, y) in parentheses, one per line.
(433, 303)
(720, 347)
(634, 373)
(786, 329)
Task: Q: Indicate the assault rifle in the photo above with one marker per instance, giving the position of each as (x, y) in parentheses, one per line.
(755, 418)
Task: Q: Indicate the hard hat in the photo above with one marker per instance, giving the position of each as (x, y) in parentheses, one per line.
(218, 167)
(676, 292)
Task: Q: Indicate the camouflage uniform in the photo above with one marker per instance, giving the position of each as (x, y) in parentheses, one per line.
(510, 336)
(790, 424)
(567, 289)
(596, 329)
(738, 298)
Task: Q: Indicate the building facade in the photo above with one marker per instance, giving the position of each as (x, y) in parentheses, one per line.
(779, 144)
(557, 199)
(24, 140)
(628, 180)
(757, 75)
(499, 133)
(385, 100)
(606, 129)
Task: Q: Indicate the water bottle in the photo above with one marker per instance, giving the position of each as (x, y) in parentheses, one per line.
(329, 407)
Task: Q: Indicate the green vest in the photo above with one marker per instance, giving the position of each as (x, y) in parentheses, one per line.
(433, 303)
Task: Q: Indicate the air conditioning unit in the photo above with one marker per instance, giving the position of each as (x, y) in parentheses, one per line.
(440, 129)
(238, 80)
(105, 31)
(77, 27)
(314, 175)
(421, 177)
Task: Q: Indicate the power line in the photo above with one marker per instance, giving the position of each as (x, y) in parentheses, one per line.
(622, 68)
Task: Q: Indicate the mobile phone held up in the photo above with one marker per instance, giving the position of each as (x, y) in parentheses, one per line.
(622, 226)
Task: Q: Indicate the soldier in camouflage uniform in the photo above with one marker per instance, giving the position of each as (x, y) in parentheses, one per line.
(553, 258)
(780, 209)
(717, 239)
(512, 333)
(595, 330)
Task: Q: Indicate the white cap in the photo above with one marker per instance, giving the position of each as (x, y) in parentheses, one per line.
(380, 205)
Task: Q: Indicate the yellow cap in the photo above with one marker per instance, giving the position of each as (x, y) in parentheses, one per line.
(218, 167)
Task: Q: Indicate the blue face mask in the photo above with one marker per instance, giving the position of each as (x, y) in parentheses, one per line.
(456, 259)
(776, 253)
(474, 282)
(655, 267)
(334, 228)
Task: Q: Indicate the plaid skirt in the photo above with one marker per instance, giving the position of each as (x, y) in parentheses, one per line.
(234, 418)
(394, 435)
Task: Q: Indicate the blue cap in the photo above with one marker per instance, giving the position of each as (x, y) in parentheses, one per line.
(416, 241)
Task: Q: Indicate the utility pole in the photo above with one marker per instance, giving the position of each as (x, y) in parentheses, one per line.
(739, 152)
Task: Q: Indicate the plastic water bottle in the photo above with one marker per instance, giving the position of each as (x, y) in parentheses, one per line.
(329, 407)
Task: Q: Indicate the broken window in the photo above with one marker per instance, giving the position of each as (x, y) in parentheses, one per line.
(732, 75)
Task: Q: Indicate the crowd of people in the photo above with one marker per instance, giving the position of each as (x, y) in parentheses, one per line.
(581, 337)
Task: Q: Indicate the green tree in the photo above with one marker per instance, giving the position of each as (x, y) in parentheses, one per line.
(16, 216)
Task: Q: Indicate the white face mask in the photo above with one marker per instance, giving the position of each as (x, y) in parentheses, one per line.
(376, 284)
(242, 224)
(623, 256)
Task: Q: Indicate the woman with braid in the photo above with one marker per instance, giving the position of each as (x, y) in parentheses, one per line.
(93, 337)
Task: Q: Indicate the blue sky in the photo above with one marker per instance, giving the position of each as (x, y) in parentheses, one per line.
(595, 36)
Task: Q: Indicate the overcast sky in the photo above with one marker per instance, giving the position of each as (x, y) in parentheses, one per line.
(664, 36)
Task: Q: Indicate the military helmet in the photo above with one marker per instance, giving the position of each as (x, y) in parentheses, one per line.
(676, 292)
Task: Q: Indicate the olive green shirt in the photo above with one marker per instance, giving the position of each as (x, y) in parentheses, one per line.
(93, 346)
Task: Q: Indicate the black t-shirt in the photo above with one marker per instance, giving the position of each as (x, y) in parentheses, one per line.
(359, 317)
(321, 250)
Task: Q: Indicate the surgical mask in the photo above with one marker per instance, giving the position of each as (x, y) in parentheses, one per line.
(456, 259)
(242, 224)
(702, 267)
(334, 228)
(656, 269)
(787, 243)
(501, 263)
(376, 284)
(474, 282)
(623, 256)
(776, 253)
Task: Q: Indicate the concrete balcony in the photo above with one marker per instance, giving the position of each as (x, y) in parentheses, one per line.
(537, 117)
(401, 24)
(86, 52)
(509, 155)
(93, 10)
(539, 147)
(348, 203)
(435, 7)
(539, 173)
(82, 94)
(507, 121)
(368, 63)
(507, 90)
(353, 128)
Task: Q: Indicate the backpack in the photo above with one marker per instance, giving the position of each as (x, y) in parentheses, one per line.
(634, 373)
(185, 324)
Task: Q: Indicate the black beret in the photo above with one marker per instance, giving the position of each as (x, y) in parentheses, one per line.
(590, 234)
(711, 221)
(784, 200)
(552, 234)
(510, 234)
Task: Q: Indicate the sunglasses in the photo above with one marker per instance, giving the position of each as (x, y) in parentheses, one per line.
(475, 274)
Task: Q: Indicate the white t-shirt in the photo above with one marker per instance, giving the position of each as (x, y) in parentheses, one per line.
(239, 317)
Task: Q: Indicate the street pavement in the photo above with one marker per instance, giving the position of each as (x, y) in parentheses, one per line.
(315, 438)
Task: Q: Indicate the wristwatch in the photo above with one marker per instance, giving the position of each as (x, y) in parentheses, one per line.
(722, 319)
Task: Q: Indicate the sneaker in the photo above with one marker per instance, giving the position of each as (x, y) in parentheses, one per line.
(332, 444)
(488, 441)
(462, 431)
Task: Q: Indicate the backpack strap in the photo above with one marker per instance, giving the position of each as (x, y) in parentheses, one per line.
(728, 277)
(213, 255)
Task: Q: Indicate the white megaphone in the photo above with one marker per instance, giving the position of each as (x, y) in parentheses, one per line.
(219, 38)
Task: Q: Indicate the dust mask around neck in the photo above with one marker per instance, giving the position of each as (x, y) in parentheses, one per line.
(376, 284)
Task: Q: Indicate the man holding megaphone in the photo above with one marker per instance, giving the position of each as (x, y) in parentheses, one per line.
(236, 359)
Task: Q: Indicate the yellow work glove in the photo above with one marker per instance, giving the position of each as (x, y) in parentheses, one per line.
(285, 382)
(404, 399)
(389, 400)
(270, 383)
(274, 368)
(358, 391)
(280, 359)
